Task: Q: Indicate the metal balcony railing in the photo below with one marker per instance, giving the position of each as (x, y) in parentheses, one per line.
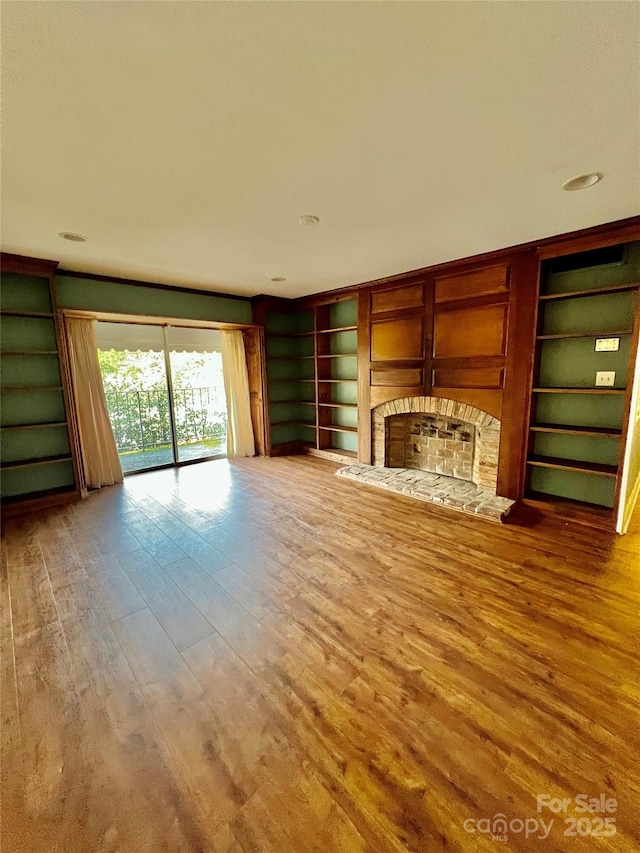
(141, 421)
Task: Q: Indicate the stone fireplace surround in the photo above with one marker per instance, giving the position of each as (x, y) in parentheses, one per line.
(439, 437)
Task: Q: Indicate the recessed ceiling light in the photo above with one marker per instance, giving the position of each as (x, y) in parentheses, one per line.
(583, 182)
(75, 238)
(278, 278)
(308, 219)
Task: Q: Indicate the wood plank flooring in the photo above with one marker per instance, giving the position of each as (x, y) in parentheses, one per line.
(261, 656)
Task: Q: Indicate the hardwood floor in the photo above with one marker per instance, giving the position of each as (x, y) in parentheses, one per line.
(261, 656)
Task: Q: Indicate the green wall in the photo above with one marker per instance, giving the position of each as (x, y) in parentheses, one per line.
(88, 294)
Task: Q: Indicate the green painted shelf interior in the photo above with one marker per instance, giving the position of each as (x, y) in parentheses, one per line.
(621, 267)
(573, 363)
(29, 370)
(37, 479)
(290, 376)
(292, 362)
(575, 485)
(344, 313)
(577, 447)
(31, 393)
(19, 445)
(579, 409)
(607, 312)
(33, 407)
(337, 376)
(19, 333)
(24, 293)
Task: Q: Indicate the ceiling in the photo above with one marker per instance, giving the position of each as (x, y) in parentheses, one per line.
(184, 140)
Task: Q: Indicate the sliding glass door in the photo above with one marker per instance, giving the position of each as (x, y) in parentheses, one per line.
(164, 392)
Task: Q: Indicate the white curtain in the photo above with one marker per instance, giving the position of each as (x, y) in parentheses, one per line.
(99, 453)
(240, 441)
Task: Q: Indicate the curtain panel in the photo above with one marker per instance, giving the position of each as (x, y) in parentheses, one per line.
(240, 440)
(99, 453)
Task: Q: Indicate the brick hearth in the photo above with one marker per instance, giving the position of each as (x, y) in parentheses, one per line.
(434, 488)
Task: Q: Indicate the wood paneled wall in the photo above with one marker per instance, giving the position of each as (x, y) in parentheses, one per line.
(470, 321)
(456, 334)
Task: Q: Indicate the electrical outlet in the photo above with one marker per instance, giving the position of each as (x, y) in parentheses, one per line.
(607, 344)
(606, 377)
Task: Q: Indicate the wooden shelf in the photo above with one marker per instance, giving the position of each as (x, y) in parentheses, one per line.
(36, 426)
(561, 464)
(29, 463)
(289, 357)
(336, 454)
(339, 405)
(29, 352)
(570, 505)
(293, 423)
(568, 429)
(596, 291)
(579, 390)
(340, 329)
(340, 355)
(337, 380)
(291, 402)
(11, 313)
(30, 388)
(337, 428)
(568, 335)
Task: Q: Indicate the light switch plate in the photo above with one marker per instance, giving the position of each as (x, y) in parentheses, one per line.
(606, 377)
(607, 344)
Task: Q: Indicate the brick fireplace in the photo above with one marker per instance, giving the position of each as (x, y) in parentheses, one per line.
(430, 443)
(437, 435)
(438, 450)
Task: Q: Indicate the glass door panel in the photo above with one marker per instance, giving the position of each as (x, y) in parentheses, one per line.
(133, 370)
(198, 392)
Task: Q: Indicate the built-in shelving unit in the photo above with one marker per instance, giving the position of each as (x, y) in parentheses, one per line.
(574, 446)
(291, 378)
(337, 378)
(312, 379)
(37, 456)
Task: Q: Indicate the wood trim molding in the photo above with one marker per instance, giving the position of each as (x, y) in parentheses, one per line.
(516, 399)
(27, 266)
(155, 320)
